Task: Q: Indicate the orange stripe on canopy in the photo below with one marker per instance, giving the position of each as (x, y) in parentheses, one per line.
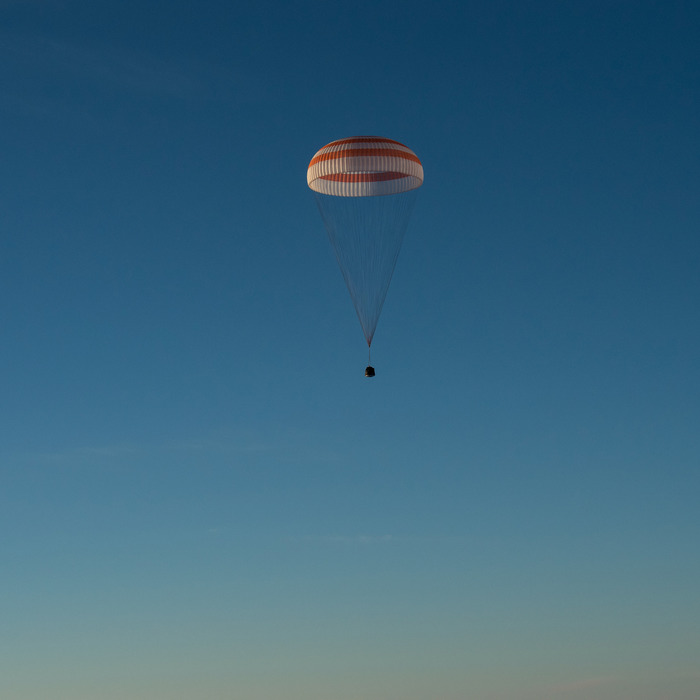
(364, 152)
(363, 139)
(362, 177)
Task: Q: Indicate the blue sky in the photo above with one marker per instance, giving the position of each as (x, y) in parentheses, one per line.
(200, 494)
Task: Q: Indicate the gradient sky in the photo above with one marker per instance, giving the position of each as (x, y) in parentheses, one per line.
(201, 496)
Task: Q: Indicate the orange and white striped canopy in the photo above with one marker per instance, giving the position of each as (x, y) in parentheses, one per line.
(364, 166)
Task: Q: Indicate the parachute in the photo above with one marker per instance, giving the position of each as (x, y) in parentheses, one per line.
(365, 188)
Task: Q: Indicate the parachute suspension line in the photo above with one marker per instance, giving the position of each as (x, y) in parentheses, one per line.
(366, 234)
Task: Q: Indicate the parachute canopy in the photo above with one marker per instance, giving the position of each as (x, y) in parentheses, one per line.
(364, 166)
(365, 188)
